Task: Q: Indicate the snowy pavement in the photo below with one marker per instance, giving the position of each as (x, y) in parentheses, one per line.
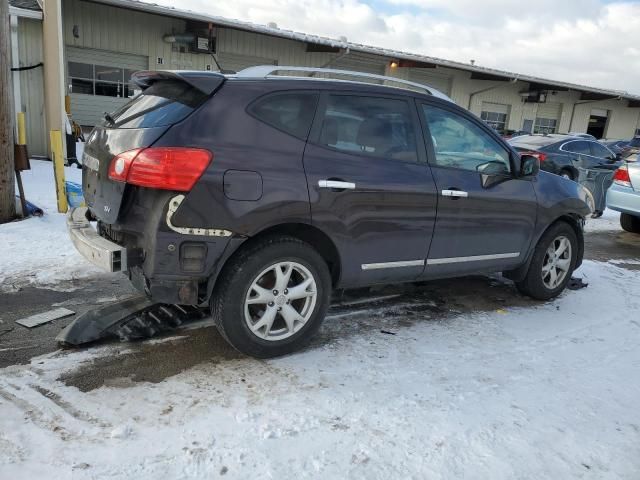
(457, 379)
(548, 391)
(37, 251)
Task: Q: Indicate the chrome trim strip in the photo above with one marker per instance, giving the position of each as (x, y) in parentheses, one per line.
(404, 263)
(454, 193)
(336, 184)
(174, 203)
(473, 258)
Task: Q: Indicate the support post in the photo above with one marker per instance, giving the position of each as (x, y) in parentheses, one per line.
(53, 58)
(7, 183)
(58, 169)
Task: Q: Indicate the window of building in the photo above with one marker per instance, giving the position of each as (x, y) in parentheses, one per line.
(290, 112)
(495, 115)
(459, 143)
(545, 125)
(371, 126)
(90, 79)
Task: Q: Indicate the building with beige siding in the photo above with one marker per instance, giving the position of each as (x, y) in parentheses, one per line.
(92, 47)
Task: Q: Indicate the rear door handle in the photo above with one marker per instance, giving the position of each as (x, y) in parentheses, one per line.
(454, 193)
(336, 184)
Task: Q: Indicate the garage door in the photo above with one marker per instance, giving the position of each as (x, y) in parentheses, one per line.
(235, 62)
(547, 118)
(495, 115)
(433, 79)
(99, 81)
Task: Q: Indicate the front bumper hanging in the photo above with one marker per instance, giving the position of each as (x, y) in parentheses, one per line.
(98, 250)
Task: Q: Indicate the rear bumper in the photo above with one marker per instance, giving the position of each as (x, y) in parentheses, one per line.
(623, 199)
(98, 250)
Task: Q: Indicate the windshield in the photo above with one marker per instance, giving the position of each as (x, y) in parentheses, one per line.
(163, 103)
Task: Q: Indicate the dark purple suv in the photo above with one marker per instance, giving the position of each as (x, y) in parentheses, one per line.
(258, 194)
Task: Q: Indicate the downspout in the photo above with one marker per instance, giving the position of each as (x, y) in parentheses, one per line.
(493, 87)
(344, 53)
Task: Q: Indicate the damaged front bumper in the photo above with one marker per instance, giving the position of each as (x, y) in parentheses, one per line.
(98, 250)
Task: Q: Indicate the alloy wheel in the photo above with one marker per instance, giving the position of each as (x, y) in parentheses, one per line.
(557, 261)
(280, 301)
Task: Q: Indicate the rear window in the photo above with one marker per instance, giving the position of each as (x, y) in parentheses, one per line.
(291, 112)
(162, 104)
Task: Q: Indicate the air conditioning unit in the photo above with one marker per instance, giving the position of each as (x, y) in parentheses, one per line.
(534, 97)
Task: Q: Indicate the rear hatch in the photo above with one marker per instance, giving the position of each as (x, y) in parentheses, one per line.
(166, 99)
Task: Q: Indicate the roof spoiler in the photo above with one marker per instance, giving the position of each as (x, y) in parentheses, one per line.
(205, 82)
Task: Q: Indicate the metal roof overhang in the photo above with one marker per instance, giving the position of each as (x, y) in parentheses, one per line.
(495, 74)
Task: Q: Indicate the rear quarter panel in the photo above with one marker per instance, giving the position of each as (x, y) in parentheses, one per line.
(271, 161)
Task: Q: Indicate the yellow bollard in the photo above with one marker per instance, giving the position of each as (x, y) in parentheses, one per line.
(58, 169)
(22, 129)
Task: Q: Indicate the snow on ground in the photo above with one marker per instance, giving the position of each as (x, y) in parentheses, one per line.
(549, 391)
(609, 221)
(38, 250)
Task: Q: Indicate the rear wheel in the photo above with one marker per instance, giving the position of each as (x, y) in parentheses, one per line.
(552, 265)
(567, 173)
(630, 223)
(272, 297)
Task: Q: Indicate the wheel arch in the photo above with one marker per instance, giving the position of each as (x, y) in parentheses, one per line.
(315, 237)
(574, 221)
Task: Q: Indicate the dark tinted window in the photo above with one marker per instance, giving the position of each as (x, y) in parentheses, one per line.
(600, 151)
(291, 112)
(163, 103)
(460, 143)
(377, 127)
(578, 147)
(635, 142)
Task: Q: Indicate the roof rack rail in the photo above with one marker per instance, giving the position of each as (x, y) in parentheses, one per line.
(267, 71)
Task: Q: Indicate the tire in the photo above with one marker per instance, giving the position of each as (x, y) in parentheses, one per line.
(567, 173)
(540, 286)
(255, 319)
(630, 223)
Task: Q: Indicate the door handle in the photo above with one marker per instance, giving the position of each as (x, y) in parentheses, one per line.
(454, 193)
(336, 184)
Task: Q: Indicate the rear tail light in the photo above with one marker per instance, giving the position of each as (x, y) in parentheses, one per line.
(539, 155)
(621, 177)
(166, 168)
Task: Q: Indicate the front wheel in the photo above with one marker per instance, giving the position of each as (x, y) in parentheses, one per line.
(272, 297)
(552, 265)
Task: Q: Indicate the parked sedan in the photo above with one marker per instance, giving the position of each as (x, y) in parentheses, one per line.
(624, 196)
(565, 154)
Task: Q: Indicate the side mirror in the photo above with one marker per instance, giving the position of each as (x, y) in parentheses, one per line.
(529, 166)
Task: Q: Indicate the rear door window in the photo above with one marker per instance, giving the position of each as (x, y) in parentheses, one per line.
(370, 126)
(600, 151)
(291, 112)
(579, 147)
(162, 104)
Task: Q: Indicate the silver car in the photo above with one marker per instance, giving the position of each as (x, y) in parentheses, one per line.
(624, 196)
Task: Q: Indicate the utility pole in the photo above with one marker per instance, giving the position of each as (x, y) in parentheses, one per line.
(7, 171)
